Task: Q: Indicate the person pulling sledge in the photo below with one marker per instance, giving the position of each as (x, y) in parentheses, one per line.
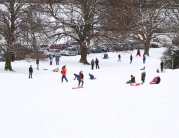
(80, 79)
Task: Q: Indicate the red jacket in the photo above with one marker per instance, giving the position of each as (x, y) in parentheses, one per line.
(63, 71)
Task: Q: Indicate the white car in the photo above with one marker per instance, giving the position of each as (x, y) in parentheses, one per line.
(52, 52)
(70, 51)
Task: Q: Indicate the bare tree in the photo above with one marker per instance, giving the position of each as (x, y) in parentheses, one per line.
(17, 26)
(147, 18)
(78, 20)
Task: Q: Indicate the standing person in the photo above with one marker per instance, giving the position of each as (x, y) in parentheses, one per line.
(64, 70)
(131, 58)
(138, 53)
(143, 77)
(80, 79)
(119, 57)
(144, 58)
(30, 71)
(37, 62)
(92, 64)
(57, 58)
(161, 66)
(97, 63)
(51, 59)
(12, 58)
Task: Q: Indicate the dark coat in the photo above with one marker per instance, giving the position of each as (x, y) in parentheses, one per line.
(133, 79)
(37, 61)
(97, 61)
(143, 76)
(161, 65)
(91, 76)
(92, 62)
(131, 57)
(30, 69)
(119, 56)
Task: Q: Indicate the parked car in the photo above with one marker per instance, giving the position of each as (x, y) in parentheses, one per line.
(53, 52)
(2, 57)
(69, 51)
(56, 47)
(154, 46)
(96, 49)
(79, 51)
(104, 48)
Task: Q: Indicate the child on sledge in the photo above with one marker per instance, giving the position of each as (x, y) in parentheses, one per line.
(157, 71)
(132, 80)
(56, 70)
(143, 77)
(76, 76)
(156, 80)
(91, 76)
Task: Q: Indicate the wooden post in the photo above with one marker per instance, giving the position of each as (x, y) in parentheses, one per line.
(172, 63)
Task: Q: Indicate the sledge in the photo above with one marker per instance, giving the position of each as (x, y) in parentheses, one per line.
(77, 87)
(92, 79)
(105, 56)
(135, 84)
(45, 69)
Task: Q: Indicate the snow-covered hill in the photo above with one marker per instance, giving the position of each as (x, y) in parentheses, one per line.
(107, 107)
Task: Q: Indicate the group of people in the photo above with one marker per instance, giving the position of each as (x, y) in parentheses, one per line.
(80, 76)
(57, 59)
(156, 79)
(132, 80)
(138, 54)
(96, 62)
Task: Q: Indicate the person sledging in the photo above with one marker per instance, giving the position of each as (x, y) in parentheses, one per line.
(91, 76)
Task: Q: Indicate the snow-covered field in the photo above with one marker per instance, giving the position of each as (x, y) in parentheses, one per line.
(107, 107)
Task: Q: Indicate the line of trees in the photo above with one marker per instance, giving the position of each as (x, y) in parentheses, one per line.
(24, 25)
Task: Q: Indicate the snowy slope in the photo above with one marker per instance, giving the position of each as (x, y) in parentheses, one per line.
(107, 107)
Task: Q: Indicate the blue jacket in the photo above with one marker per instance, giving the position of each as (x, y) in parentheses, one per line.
(91, 76)
(76, 76)
(144, 57)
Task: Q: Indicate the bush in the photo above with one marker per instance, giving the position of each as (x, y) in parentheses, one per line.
(170, 53)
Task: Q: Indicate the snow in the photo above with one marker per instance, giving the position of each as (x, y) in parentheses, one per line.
(107, 107)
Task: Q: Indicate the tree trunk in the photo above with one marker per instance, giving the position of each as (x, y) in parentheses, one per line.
(147, 46)
(84, 52)
(8, 62)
